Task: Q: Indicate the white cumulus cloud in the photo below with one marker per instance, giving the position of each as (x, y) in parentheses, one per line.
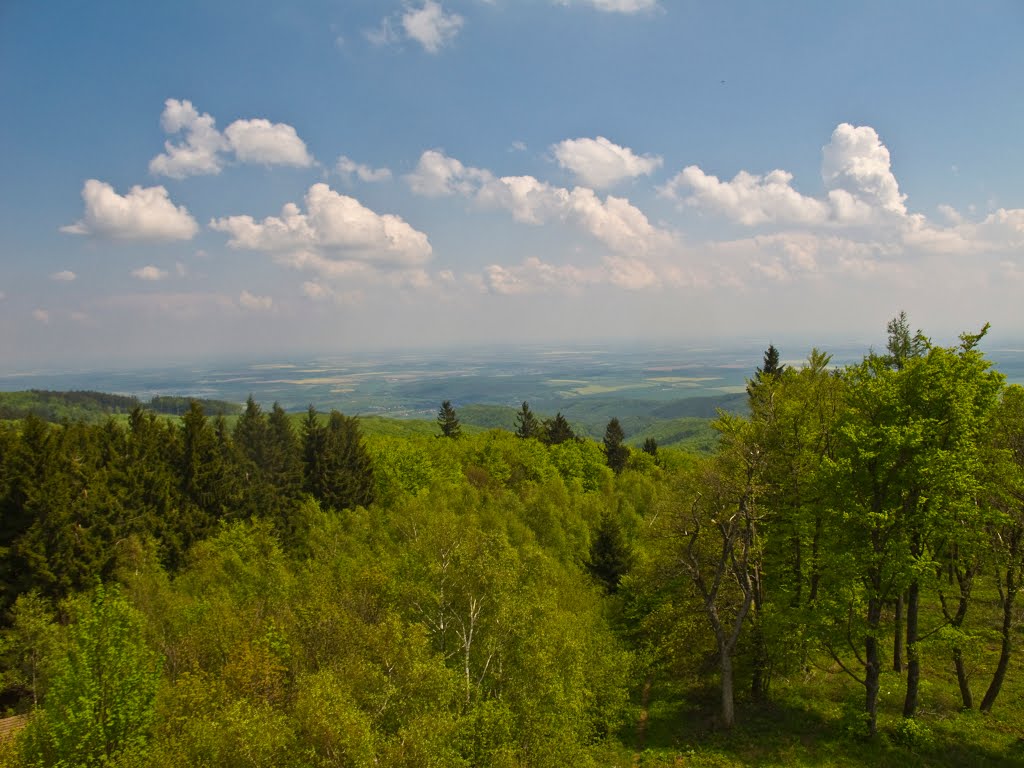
(431, 26)
(856, 169)
(262, 142)
(64, 276)
(614, 220)
(748, 198)
(335, 228)
(145, 213)
(857, 172)
(203, 150)
(600, 163)
(149, 273)
(349, 168)
(200, 150)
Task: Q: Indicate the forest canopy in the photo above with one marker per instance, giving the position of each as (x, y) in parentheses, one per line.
(282, 590)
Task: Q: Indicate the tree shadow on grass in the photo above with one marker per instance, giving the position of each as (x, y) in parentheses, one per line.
(682, 728)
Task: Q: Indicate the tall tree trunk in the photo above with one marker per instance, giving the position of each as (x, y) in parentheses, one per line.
(961, 678)
(872, 664)
(965, 579)
(1007, 600)
(815, 564)
(897, 640)
(728, 707)
(913, 653)
(761, 676)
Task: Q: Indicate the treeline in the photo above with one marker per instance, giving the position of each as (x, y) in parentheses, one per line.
(182, 593)
(85, 405)
(864, 519)
(306, 598)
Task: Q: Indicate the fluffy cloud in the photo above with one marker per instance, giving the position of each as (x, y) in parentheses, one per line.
(349, 168)
(204, 150)
(145, 213)
(149, 273)
(335, 229)
(856, 171)
(200, 150)
(600, 163)
(262, 142)
(41, 315)
(64, 276)
(614, 220)
(616, 6)
(437, 175)
(250, 301)
(747, 198)
(430, 26)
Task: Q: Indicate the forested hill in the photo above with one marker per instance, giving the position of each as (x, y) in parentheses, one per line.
(836, 583)
(685, 423)
(95, 406)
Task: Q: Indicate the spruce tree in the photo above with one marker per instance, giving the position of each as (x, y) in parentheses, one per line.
(769, 371)
(448, 421)
(610, 555)
(616, 452)
(527, 425)
(651, 447)
(338, 469)
(557, 430)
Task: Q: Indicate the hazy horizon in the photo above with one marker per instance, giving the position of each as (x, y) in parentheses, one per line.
(204, 181)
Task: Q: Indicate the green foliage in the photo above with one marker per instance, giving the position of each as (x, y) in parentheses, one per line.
(498, 601)
(557, 430)
(96, 407)
(337, 467)
(527, 425)
(448, 421)
(100, 701)
(616, 452)
(610, 554)
(28, 646)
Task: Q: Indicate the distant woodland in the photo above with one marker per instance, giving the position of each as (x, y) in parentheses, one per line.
(835, 581)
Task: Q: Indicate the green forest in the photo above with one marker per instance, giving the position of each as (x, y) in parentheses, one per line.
(832, 581)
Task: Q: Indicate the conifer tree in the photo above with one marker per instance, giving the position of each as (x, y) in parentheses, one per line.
(616, 452)
(527, 425)
(448, 421)
(557, 430)
(651, 447)
(610, 555)
(338, 470)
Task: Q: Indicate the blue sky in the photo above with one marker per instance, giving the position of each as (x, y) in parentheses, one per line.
(242, 179)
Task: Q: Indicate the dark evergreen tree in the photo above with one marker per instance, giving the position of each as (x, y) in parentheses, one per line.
(616, 452)
(448, 421)
(151, 489)
(610, 554)
(284, 460)
(27, 462)
(557, 430)
(527, 425)
(251, 434)
(651, 447)
(338, 469)
(771, 366)
(208, 478)
(769, 371)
